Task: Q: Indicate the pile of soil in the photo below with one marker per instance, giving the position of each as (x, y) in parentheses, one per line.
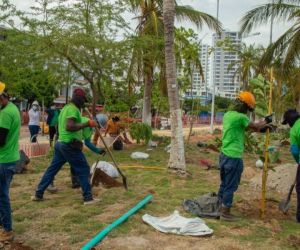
(279, 180)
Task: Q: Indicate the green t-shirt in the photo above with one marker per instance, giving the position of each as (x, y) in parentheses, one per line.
(69, 111)
(295, 133)
(54, 120)
(234, 126)
(10, 119)
(86, 132)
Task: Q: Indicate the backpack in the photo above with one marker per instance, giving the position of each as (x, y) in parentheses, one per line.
(21, 164)
(118, 145)
(207, 205)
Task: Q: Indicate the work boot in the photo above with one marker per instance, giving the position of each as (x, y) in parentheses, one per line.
(52, 189)
(6, 236)
(35, 198)
(226, 215)
(91, 202)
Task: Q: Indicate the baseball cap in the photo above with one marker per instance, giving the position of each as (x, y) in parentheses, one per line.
(290, 115)
(79, 92)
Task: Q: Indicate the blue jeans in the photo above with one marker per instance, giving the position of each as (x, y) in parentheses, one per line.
(7, 171)
(65, 153)
(34, 131)
(231, 170)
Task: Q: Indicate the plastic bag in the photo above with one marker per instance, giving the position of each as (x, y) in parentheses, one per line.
(106, 167)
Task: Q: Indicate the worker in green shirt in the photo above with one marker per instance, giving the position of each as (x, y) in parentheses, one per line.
(235, 124)
(69, 149)
(292, 118)
(10, 124)
(86, 136)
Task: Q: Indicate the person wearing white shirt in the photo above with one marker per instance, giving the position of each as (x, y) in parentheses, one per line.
(34, 121)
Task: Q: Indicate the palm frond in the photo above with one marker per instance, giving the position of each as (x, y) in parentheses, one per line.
(287, 47)
(197, 17)
(263, 13)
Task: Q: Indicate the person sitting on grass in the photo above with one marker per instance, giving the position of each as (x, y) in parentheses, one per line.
(235, 124)
(10, 125)
(114, 129)
(69, 149)
(292, 118)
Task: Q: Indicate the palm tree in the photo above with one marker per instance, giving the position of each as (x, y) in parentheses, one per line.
(287, 46)
(177, 158)
(150, 26)
(247, 65)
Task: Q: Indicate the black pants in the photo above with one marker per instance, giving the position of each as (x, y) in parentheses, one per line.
(52, 132)
(298, 194)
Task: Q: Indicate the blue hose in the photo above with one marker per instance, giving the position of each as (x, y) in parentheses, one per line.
(97, 239)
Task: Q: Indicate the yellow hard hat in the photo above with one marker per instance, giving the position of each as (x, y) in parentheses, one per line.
(248, 98)
(2, 87)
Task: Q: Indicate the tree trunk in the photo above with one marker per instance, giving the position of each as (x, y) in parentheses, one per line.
(146, 116)
(95, 99)
(192, 111)
(177, 158)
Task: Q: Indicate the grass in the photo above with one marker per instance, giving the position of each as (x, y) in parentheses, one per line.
(62, 222)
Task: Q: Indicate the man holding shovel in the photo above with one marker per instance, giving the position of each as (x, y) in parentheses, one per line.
(235, 124)
(69, 149)
(292, 118)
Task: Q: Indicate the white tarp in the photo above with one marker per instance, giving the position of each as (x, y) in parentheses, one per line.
(177, 224)
(107, 168)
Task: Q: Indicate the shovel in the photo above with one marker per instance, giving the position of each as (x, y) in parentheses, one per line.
(124, 179)
(284, 205)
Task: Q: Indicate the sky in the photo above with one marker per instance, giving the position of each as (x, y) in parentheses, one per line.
(230, 12)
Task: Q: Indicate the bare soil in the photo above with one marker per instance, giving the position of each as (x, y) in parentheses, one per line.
(279, 180)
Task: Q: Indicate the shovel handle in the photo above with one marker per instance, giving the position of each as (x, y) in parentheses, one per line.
(291, 190)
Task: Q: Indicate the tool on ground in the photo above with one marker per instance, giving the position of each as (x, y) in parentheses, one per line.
(285, 205)
(124, 179)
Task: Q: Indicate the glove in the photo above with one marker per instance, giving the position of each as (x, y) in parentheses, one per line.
(92, 123)
(269, 119)
(102, 152)
(271, 128)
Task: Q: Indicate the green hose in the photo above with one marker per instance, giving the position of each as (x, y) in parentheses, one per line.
(98, 238)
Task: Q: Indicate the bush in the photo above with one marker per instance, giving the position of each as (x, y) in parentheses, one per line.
(140, 131)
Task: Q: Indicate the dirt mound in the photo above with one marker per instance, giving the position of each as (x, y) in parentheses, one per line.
(279, 180)
(251, 209)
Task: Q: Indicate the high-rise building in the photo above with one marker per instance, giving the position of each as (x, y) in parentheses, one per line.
(224, 65)
(200, 85)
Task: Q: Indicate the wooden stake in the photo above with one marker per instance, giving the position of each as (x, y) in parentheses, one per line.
(266, 163)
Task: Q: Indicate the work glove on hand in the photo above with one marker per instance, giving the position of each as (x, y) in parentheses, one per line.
(269, 119)
(92, 123)
(271, 127)
(102, 152)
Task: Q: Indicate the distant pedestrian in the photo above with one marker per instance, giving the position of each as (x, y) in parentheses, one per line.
(10, 124)
(52, 121)
(34, 121)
